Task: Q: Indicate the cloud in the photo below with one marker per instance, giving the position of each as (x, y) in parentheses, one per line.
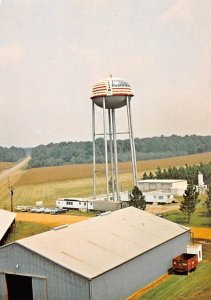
(11, 54)
(184, 11)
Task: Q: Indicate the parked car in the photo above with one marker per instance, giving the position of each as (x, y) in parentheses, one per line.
(18, 208)
(47, 210)
(39, 210)
(33, 209)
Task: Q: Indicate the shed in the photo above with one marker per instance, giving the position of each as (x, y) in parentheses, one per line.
(193, 248)
(175, 186)
(7, 220)
(106, 257)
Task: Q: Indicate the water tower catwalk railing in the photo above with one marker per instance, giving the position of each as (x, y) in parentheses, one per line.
(110, 94)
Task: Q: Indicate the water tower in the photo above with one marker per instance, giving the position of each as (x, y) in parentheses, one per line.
(111, 94)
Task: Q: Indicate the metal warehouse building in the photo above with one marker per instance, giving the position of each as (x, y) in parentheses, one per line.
(175, 186)
(106, 257)
(7, 221)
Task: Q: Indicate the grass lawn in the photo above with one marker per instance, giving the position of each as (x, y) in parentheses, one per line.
(196, 285)
(26, 229)
(193, 286)
(199, 218)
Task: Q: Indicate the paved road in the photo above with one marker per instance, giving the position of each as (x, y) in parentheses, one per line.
(7, 173)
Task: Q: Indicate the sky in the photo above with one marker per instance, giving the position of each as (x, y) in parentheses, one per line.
(53, 52)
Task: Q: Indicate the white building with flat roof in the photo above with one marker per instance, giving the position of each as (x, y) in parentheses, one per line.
(174, 186)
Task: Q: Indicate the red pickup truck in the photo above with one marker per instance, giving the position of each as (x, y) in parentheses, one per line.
(184, 263)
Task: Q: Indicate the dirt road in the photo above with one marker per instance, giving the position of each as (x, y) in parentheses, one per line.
(51, 220)
(159, 209)
(7, 173)
(201, 233)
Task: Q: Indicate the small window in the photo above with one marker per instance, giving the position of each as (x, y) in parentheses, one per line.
(160, 197)
(79, 203)
(84, 203)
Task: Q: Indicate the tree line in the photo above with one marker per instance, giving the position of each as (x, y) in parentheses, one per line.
(190, 173)
(62, 153)
(11, 154)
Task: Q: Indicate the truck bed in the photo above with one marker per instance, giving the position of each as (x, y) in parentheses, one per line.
(185, 263)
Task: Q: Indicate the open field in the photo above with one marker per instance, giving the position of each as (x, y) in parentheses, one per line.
(74, 172)
(49, 183)
(6, 165)
(9, 177)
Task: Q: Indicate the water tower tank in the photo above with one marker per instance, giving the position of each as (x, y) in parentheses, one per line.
(115, 92)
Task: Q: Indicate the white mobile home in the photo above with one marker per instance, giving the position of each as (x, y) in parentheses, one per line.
(88, 204)
(159, 197)
(74, 203)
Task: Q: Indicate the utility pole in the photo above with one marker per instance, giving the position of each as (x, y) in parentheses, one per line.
(11, 197)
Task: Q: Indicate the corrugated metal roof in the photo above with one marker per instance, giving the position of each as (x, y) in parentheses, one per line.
(6, 219)
(99, 244)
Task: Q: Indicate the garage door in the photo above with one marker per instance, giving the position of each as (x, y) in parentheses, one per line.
(35, 288)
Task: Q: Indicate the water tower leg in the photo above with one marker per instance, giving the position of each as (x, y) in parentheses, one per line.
(111, 153)
(132, 144)
(115, 154)
(94, 155)
(106, 150)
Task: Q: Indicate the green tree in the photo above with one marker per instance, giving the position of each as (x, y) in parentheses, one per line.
(188, 205)
(145, 176)
(151, 176)
(137, 199)
(158, 173)
(208, 200)
(110, 185)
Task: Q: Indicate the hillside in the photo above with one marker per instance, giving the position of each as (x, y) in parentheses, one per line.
(83, 171)
(146, 149)
(49, 183)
